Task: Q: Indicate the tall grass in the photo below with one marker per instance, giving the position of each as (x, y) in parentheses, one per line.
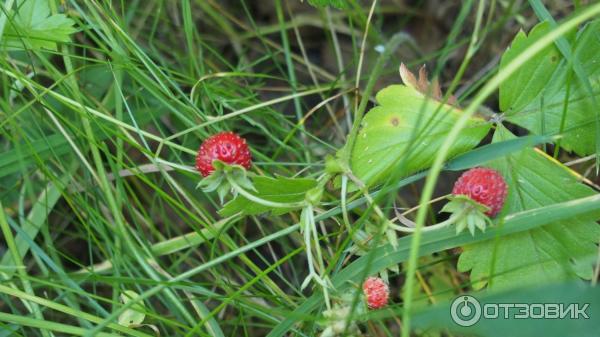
(97, 186)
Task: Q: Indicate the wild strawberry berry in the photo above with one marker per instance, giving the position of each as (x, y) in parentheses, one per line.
(376, 292)
(483, 185)
(227, 147)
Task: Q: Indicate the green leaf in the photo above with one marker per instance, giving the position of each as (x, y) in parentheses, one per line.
(280, 189)
(526, 84)
(135, 314)
(340, 4)
(554, 100)
(33, 26)
(561, 250)
(407, 128)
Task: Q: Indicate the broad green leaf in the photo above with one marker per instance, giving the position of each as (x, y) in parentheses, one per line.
(33, 26)
(559, 251)
(280, 189)
(527, 83)
(563, 104)
(135, 314)
(407, 127)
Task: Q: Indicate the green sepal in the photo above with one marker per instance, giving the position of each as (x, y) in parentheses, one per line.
(466, 214)
(223, 190)
(240, 176)
(212, 182)
(459, 202)
(218, 179)
(392, 237)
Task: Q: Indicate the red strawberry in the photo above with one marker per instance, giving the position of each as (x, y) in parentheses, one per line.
(377, 292)
(483, 185)
(227, 147)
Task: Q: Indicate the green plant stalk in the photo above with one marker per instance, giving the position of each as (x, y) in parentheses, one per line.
(313, 229)
(487, 90)
(93, 173)
(448, 222)
(390, 47)
(241, 112)
(21, 269)
(46, 200)
(189, 29)
(563, 117)
(339, 61)
(48, 325)
(472, 49)
(4, 15)
(292, 74)
(458, 25)
(196, 270)
(67, 310)
(78, 107)
(242, 289)
(114, 200)
(192, 239)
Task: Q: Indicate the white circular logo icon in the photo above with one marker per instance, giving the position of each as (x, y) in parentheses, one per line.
(465, 310)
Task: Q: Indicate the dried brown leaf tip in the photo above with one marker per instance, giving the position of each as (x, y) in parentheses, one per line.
(422, 85)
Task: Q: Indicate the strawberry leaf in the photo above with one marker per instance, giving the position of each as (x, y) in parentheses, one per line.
(407, 128)
(545, 97)
(281, 190)
(33, 26)
(558, 251)
(533, 76)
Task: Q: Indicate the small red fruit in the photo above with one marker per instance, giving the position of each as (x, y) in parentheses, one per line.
(377, 292)
(227, 147)
(483, 185)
